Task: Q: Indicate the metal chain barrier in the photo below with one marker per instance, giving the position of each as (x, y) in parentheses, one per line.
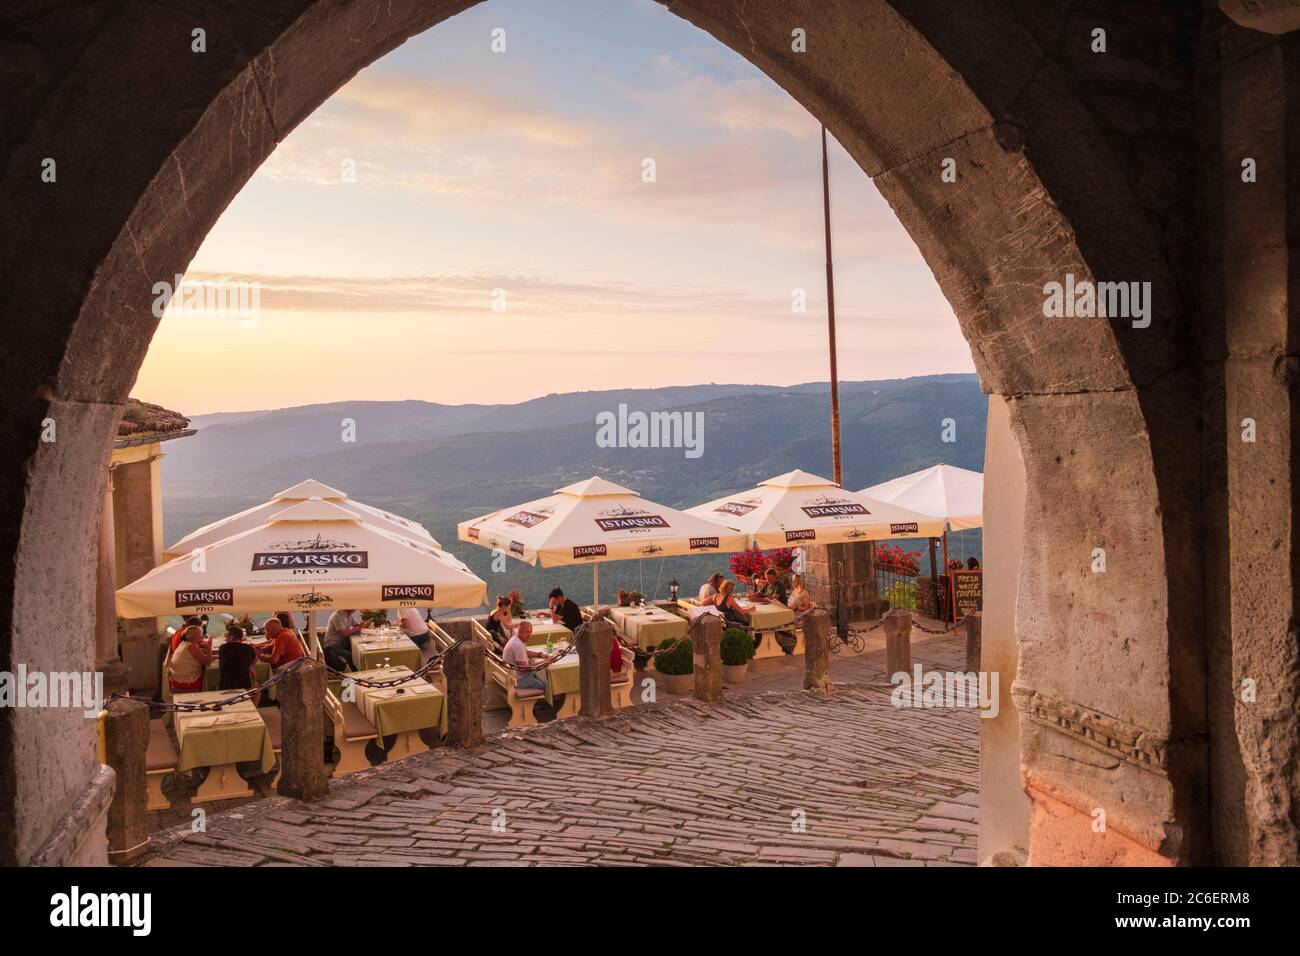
(548, 660)
(433, 663)
(162, 706)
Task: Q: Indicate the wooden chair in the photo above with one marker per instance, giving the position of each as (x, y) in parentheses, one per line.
(352, 733)
(271, 717)
(620, 685)
(503, 692)
(159, 762)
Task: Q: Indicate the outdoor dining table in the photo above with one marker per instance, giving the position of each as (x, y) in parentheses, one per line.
(766, 614)
(413, 706)
(220, 740)
(374, 647)
(544, 629)
(212, 673)
(563, 677)
(648, 626)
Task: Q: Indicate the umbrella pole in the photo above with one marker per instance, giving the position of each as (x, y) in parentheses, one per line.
(595, 584)
(945, 564)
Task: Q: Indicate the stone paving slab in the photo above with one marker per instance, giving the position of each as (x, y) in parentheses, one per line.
(785, 778)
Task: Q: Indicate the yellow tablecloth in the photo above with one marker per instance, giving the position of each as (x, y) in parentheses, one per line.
(767, 615)
(563, 677)
(647, 626)
(235, 734)
(369, 649)
(415, 705)
(542, 629)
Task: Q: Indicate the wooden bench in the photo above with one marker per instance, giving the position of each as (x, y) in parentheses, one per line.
(503, 692)
(159, 761)
(620, 684)
(352, 732)
(271, 717)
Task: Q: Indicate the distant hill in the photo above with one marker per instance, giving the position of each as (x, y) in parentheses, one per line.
(440, 464)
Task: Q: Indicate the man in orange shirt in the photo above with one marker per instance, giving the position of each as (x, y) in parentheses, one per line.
(281, 645)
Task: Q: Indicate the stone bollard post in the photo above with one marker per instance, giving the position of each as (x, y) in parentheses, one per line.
(974, 638)
(302, 730)
(817, 651)
(126, 738)
(458, 629)
(707, 640)
(595, 644)
(464, 668)
(898, 643)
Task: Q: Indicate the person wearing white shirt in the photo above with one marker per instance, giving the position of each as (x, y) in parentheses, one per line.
(518, 652)
(336, 645)
(415, 627)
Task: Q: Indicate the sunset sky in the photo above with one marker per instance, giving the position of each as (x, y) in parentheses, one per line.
(522, 171)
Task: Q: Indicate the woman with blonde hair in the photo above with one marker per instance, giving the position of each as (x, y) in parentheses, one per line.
(798, 600)
(725, 601)
(189, 661)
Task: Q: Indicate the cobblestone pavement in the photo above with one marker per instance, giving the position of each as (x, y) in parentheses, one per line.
(767, 777)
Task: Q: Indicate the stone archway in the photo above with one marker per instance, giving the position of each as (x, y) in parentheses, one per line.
(1069, 164)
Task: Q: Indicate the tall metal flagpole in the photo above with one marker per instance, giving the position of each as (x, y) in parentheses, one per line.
(836, 457)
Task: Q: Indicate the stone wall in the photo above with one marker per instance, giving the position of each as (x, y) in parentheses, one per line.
(847, 572)
(927, 597)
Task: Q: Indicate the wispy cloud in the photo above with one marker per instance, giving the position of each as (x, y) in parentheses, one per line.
(742, 105)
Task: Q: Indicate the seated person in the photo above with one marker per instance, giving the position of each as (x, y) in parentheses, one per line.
(501, 623)
(414, 626)
(725, 601)
(337, 646)
(235, 660)
(710, 588)
(282, 645)
(616, 674)
(564, 610)
(189, 661)
(973, 563)
(799, 599)
(178, 635)
(773, 587)
(518, 652)
(286, 620)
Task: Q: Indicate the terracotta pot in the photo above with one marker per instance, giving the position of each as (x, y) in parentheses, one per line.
(735, 673)
(680, 684)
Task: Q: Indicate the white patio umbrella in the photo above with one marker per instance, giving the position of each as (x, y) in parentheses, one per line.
(303, 491)
(594, 521)
(310, 556)
(954, 494)
(798, 509)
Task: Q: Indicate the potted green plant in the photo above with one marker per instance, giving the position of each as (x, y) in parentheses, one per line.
(737, 652)
(635, 598)
(675, 659)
